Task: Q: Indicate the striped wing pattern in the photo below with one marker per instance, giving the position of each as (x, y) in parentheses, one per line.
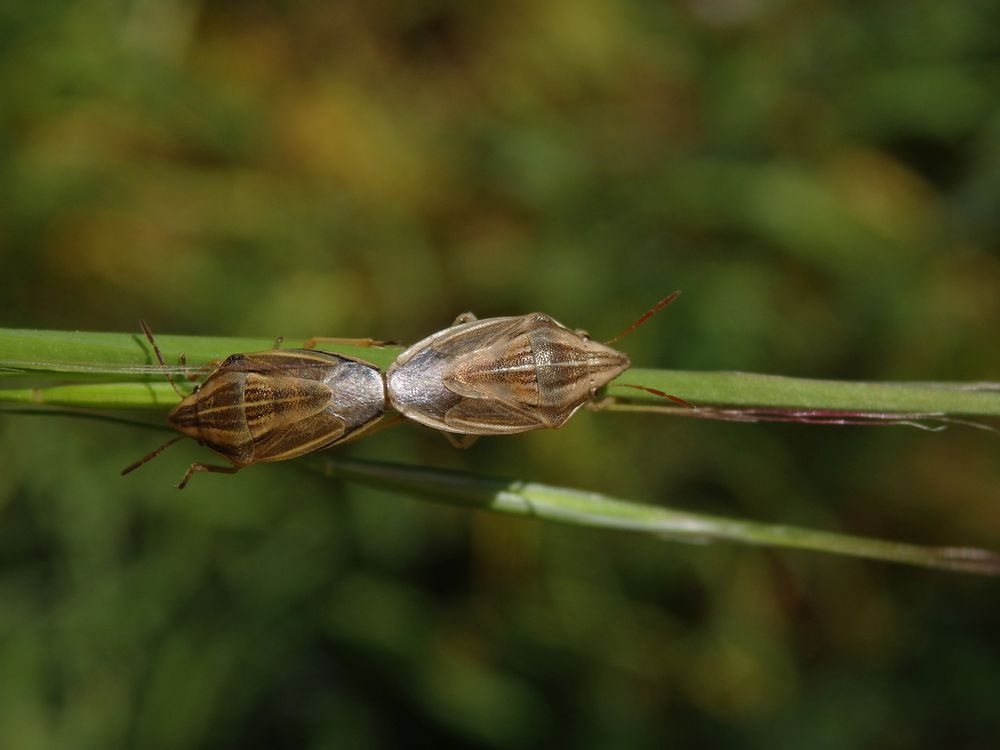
(267, 406)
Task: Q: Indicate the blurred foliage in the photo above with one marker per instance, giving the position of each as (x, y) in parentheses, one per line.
(820, 178)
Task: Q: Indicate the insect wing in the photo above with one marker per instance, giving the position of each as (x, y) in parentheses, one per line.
(278, 402)
(486, 417)
(310, 433)
(463, 338)
(504, 371)
(307, 408)
(415, 381)
(428, 382)
(291, 363)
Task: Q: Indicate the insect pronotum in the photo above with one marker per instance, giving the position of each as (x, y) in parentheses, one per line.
(504, 375)
(274, 405)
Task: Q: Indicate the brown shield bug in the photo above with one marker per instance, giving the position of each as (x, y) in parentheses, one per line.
(503, 375)
(274, 405)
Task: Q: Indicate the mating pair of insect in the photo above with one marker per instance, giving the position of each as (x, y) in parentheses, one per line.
(496, 376)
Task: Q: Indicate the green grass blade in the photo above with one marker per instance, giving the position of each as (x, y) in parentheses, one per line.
(87, 355)
(742, 389)
(44, 356)
(98, 395)
(563, 505)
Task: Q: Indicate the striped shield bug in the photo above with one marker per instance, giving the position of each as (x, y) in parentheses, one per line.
(274, 405)
(503, 375)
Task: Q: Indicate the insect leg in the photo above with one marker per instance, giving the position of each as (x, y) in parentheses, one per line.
(196, 372)
(597, 404)
(206, 467)
(311, 343)
(182, 360)
(460, 441)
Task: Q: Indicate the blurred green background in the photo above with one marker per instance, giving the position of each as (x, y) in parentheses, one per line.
(820, 178)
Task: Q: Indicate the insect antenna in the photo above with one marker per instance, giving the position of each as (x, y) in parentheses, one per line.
(676, 399)
(159, 357)
(646, 316)
(150, 456)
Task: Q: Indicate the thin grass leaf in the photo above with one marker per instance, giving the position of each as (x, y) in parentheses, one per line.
(128, 356)
(754, 390)
(568, 506)
(562, 505)
(29, 357)
(97, 395)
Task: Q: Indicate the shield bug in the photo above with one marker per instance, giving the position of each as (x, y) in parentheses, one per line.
(274, 405)
(503, 375)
